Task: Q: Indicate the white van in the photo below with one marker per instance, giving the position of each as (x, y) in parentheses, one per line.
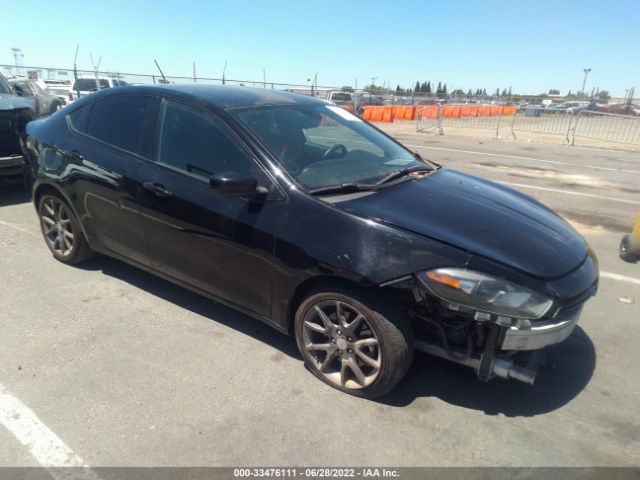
(87, 85)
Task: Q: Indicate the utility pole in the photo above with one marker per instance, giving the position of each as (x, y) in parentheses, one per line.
(264, 78)
(195, 80)
(95, 69)
(584, 82)
(75, 71)
(17, 59)
(224, 70)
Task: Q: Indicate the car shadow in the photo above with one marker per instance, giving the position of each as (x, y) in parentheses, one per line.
(565, 369)
(194, 302)
(13, 193)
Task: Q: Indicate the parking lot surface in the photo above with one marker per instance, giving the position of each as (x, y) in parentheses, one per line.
(123, 368)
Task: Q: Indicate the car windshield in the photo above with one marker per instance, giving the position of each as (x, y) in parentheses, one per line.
(323, 146)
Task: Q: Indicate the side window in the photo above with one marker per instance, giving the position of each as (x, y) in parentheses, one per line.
(119, 121)
(80, 118)
(194, 142)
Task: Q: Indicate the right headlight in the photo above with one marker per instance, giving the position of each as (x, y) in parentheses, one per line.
(485, 293)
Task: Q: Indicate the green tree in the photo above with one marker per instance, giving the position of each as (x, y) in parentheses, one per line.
(604, 95)
(428, 90)
(439, 88)
(444, 89)
(554, 91)
(347, 88)
(423, 87)
(417, 87)
(469, 93)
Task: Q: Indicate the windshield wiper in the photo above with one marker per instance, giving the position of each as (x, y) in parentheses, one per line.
(342, 188)
(404, 172)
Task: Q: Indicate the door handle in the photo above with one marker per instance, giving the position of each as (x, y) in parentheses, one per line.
(157, 189)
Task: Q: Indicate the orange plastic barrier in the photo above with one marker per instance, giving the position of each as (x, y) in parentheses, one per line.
(485, 110)
(366, 115)
(509, 110)
(376, 114)
(409, 112)
(427, 111)
(387, 114)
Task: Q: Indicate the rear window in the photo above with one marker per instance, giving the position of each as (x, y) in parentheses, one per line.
(119, 121)
(88, 84)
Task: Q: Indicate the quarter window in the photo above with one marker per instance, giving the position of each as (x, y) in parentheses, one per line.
(194, 142)
(119, 121)
(80, 118)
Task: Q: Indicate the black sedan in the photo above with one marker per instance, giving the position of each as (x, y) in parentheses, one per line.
(302, 215)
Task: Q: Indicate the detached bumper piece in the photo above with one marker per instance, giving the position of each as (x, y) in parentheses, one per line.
(486, 365)
(506, 343)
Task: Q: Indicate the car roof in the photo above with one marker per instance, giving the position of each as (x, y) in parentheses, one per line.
(223, 96)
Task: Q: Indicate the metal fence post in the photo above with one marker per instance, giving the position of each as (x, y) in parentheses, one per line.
(440, 130)
(498, 127)
(513, 125)
(575, 125)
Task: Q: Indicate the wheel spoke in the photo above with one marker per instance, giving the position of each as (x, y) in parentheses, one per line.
(49, 209)
(319, 346)
(65, 221)
(315, 327)
(57, 245)
(331, 355)
(67, 243)
(326, 320)
(375, 363)
(340, 315)
(366, 342)
(354, 324)
(48, 220)
(343, 372)
(68, 234)
(360, 376)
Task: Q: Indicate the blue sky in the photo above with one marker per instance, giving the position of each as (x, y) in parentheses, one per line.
(531, 46)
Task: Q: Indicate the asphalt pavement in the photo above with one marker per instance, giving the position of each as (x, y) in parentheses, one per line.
(113, 366)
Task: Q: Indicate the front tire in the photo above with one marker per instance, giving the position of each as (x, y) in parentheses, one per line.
(354, 341)
(629, 248)
(61, 231)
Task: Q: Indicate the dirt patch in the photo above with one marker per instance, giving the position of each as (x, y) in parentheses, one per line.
(591, 223)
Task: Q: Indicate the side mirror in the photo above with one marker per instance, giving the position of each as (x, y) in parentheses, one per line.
(234, 184)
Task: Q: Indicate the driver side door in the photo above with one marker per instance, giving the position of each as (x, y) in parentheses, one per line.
(220, 245)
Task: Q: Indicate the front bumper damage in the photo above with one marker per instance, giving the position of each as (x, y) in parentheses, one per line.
(525, 337)
(492, 345)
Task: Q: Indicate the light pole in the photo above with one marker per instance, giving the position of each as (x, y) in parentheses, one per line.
(584, 83)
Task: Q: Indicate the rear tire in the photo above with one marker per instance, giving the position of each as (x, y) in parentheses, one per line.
(629, 248)
(61, 230)
(357, 342)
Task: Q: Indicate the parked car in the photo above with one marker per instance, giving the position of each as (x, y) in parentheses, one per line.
(42, 102)
(58, 88)
(300, 214)
(87, 85)
(618, 108)
(15, 113)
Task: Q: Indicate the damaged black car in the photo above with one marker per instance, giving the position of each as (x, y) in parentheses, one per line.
(15, 113)
(302, 215)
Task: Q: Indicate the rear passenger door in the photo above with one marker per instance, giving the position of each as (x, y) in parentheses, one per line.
(112, 139)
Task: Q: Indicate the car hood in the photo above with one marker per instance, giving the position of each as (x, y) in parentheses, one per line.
(12, 102)
(481, 217)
